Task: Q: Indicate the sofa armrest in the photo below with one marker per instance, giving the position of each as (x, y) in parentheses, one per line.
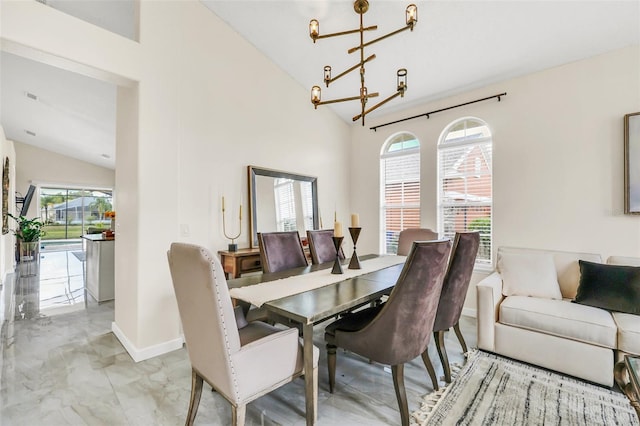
(489, 292)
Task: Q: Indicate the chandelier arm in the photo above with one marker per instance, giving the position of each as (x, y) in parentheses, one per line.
(369, 43)
(356, 66)
(379, 104)
(352, 98)
(357, 30)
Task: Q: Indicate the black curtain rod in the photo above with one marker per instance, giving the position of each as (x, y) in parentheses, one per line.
(427, 114)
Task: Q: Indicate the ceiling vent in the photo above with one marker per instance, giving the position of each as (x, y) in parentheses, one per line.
(30, 133)
(31, 96)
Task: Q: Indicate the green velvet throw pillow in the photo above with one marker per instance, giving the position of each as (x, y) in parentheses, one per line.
(611, 287)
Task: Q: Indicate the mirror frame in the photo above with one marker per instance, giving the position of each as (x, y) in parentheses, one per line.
(252, 172)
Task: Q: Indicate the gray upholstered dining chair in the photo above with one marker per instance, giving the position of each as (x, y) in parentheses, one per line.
(399, 330)
(409, 235)
(321, 246)
(454, 293)
(240, 360)
(280, 251)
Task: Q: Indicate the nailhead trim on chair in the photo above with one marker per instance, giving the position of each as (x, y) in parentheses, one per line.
(224, 327)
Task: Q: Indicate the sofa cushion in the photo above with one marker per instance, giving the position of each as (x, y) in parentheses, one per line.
(532, 274)
(560, 318)
(566, 263)
(628, 332)
(610, 287)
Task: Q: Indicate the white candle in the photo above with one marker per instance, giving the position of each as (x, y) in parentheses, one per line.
(337, 230)
(355, 220)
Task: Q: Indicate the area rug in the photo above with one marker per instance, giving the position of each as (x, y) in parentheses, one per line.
(493, 390)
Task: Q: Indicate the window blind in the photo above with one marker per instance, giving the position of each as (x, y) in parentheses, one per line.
(401, 193)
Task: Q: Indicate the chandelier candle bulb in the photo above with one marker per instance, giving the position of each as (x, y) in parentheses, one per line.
(355, 220)
(314, 29)
(315, 95)
(337, 230)
(223, 204)
(240, 211)
(412, 15)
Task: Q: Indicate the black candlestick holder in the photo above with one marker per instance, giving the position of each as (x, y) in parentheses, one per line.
(337, 266)
(355, 262)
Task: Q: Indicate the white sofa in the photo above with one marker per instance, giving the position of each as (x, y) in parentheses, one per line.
(578, 340)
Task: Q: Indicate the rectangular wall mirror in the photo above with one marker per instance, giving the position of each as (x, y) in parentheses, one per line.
(281, 201)
(631, 166)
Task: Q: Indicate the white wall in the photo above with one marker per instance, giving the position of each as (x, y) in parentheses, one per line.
(41, 167)
(194, 113)
(557, 158)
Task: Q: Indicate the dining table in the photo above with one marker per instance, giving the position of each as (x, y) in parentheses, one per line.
(332, 295)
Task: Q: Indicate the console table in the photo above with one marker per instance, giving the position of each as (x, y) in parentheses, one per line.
(236, 263)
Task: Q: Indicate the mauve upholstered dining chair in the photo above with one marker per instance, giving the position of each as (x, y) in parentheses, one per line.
(280, 251)
(409, 235)
(454, 293)
(399, 330)
(321, 246)
(241, 361)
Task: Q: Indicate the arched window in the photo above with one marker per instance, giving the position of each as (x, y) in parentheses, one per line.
(465, 182)
(399, 189)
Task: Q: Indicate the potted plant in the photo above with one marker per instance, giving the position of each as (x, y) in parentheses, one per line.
(28, 234)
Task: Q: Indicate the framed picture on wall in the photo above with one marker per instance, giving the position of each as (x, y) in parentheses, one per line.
(632, 163)
(5, 196)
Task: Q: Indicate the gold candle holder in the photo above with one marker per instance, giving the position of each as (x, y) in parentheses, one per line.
(233, 247)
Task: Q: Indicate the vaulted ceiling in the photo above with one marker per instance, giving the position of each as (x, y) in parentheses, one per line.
(456, 46)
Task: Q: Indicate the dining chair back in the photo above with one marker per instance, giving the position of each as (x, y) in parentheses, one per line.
(454, 293)
(409, 235)
(241, 361)
(400, 330)
(321, 246)
(280, 251)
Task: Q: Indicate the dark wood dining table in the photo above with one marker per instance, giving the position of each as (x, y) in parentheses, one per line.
(315, 306)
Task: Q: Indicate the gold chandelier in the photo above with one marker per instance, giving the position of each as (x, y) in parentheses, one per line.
(361, 7)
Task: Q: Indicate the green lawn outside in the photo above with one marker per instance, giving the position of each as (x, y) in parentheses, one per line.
(60, 232)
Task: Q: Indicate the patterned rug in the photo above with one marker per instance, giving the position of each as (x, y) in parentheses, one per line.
(492, 390)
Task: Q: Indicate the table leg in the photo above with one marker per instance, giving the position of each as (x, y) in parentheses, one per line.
(620, 375)
(310, 375)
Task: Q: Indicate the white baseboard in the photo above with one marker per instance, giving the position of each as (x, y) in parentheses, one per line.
(469, 312)
(148, 352)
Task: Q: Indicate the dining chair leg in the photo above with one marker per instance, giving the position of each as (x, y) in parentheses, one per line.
(331, 363)
(397, 371)
(430, 370)
(194, 401)
(456, 328)
(442, 352)
(238, 414)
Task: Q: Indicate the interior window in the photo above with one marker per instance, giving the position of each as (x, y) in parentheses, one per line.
(465, 182)
(400, 188)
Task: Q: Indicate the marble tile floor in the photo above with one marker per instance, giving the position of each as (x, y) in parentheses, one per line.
(69, 369)
(54, 284)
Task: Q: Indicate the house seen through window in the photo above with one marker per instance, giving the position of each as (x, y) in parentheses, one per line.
(400, 188)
